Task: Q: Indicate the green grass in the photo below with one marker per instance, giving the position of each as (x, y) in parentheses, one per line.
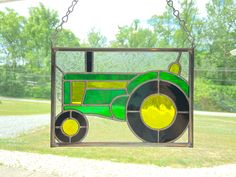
(12, 107)
(215, 144)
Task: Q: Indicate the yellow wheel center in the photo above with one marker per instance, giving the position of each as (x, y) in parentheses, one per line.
(70, 127)
(158, 111)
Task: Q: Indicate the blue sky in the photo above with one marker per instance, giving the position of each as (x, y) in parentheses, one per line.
(104, 15)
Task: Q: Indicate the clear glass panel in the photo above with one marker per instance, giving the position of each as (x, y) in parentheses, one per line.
(133, 61)
(71, 61)
(104, 95)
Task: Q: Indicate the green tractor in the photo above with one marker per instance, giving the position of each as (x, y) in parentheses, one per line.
(154, 104)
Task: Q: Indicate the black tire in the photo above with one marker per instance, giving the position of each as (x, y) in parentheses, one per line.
(81, 133)
(144, 132)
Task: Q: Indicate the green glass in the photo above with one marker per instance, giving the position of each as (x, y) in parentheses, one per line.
(176, 80)
(140, 79)
(119, 108)
(66, 92)
(101, 96)
(81, 76)
(97, 110)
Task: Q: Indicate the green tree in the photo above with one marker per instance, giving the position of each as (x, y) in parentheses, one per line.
(38, 30)
(134, 36)
(25, 51)
(168, 30)
(67, 38)
(11, 48)
(95, 39)
(163, 28)
(219, 38)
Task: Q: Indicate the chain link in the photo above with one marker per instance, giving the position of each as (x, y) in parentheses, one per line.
(63, 21)
(74, 2)
(182, 23)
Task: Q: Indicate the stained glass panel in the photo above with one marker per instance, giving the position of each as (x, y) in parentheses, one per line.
(147, 92)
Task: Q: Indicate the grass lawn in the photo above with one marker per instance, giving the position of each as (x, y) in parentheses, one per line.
(12, 107)
(215, 144)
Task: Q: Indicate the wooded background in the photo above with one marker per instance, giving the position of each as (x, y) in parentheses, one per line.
(25, 49)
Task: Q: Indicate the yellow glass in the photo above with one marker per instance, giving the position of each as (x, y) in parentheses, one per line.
(77, 92)
(175, 68)
(158, 111)
(70, 127)
(108, 84)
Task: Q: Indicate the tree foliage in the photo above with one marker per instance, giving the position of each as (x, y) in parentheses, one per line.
(218, 39)
(25, 48)
(12, 55)
(25, 51)
(168, 29)
(134, 36)
(95, 39)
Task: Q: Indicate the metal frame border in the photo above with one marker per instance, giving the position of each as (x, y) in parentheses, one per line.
(121, 144)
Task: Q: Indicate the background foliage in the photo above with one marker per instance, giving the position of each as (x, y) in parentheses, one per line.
(25, 49)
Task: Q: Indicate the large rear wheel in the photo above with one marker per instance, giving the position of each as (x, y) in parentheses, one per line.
(158, 112)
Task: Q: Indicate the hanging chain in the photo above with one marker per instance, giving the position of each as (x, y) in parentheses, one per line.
(182, 23)
(63, 21)
(74, 2)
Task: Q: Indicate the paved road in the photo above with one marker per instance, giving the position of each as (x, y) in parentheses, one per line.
(24, 100)
(6, 171)
(11, 126)
(215, 114)
(79, 167)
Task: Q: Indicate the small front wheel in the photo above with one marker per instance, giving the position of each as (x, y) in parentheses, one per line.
(71, 127)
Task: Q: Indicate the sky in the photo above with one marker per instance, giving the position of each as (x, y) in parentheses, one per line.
(103, 15)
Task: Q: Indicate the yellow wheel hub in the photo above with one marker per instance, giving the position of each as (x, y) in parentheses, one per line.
(70, 127)
(158, 111)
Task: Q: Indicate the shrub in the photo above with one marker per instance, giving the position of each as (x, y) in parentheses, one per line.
(211, 97)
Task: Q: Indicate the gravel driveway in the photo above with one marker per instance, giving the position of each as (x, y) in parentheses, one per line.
(11, 126)
(79, 167)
